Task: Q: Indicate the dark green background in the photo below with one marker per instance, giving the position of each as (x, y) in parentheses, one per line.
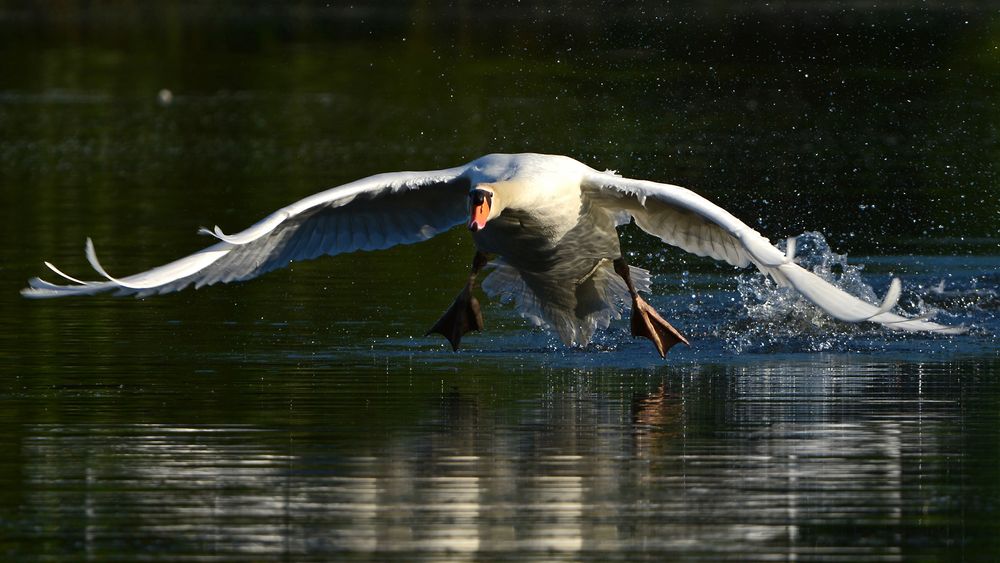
(304, 416)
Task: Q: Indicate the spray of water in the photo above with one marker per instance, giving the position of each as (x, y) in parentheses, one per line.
(778, 319)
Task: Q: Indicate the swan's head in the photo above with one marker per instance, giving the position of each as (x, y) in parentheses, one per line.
(480, 205)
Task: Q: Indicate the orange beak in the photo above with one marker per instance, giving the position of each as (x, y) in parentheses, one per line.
(479, 201)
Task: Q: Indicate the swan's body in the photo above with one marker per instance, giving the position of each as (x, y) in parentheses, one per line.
(550, 219)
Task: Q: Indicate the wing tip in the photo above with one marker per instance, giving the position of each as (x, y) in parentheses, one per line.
(34, 290)
(41, 289)
(849, 308)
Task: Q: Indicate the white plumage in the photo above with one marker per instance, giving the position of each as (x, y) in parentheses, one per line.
(551, 222)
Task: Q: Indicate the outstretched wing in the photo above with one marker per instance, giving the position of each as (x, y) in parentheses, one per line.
(369, 214)
(684, 219)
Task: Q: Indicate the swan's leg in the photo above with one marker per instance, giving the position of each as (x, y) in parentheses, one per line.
(463, 316)
(646, 322)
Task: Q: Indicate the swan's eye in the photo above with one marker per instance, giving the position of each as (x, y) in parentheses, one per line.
(479, 196)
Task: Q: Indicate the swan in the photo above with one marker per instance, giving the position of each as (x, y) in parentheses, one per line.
(544, 224)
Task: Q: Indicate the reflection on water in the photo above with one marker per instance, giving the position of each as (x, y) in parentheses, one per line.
(830, 458)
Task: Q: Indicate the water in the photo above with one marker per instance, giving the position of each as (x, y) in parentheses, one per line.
(304, 416)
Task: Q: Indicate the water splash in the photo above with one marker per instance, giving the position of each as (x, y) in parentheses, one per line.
(779, 319)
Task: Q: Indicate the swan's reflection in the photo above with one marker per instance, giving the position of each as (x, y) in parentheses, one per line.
(720, 462)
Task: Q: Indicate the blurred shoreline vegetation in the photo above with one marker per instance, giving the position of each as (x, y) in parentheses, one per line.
(878, 127)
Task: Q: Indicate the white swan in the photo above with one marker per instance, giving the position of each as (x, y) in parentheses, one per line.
(549, 220)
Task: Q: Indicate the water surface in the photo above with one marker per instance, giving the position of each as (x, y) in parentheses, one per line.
(305, 416)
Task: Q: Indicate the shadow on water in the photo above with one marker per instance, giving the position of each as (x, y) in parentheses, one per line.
(303, 416)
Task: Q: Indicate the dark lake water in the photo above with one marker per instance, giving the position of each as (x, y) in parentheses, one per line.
(304, 416)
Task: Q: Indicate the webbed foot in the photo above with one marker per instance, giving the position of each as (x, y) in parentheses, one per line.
(463, 316)
(646, 322)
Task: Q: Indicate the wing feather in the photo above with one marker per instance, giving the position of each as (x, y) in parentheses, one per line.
(369, 214)
(687, 220)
